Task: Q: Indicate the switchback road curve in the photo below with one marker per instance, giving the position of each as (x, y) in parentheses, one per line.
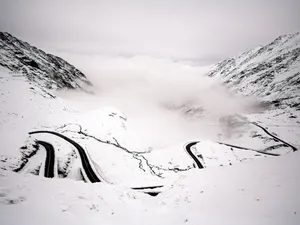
(191, 154)
(276, 138)
(267, 132)
(93, 177)
(199, 164)
(249, 149)
(50, 158)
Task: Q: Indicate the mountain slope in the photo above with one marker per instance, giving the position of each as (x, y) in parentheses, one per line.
(271, 72)
(188, 195)
(100, 131)
(48, 70)
(261, 192)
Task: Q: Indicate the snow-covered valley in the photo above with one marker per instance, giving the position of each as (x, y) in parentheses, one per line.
(135, 131)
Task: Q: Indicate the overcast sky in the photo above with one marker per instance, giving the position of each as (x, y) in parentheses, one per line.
(209, 30)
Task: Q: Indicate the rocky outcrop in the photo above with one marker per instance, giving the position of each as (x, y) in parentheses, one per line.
(270, 73)
(47, 70)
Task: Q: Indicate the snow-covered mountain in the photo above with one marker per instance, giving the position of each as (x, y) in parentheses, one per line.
(271, 73)
(30, 83)
(248, 132)
(45, 69)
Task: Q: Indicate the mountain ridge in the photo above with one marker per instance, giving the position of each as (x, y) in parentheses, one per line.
(51, 72)
(265, 71)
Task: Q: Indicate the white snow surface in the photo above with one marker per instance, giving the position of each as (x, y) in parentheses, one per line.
(236, 187)
(261, 192)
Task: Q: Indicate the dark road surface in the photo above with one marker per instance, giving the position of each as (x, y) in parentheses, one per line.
(276, 138)
(189, 151)
(249, 149)
(267, 132)
(93, 177)
(50, 159)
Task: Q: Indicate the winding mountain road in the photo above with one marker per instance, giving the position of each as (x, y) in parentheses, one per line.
(191, 154)
(91, 174)
(199, 164)
(50, 158)
(276, 138)
(249, 149)
(267, 132)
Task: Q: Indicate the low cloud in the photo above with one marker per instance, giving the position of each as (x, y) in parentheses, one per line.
(156, 93)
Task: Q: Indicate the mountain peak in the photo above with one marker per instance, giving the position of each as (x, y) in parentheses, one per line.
(45, 69)
(270, 73)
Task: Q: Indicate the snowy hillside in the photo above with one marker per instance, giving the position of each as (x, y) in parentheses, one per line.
(28, 110)
(271, 72)
(256, 193)
(45, 69)
(92, 167)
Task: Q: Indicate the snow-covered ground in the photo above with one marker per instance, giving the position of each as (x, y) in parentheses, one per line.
(134, 126)
(261, 192)
(113, 140)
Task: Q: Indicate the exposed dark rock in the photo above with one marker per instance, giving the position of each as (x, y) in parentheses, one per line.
(47, 70)
(270, 73)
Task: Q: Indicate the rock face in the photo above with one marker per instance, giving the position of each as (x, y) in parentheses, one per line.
(271, 73)
(47, 70)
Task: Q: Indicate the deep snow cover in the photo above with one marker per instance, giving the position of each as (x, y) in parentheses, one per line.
(45, 69)
(231, 189)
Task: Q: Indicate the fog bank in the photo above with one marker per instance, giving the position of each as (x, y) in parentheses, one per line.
(155, 93)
